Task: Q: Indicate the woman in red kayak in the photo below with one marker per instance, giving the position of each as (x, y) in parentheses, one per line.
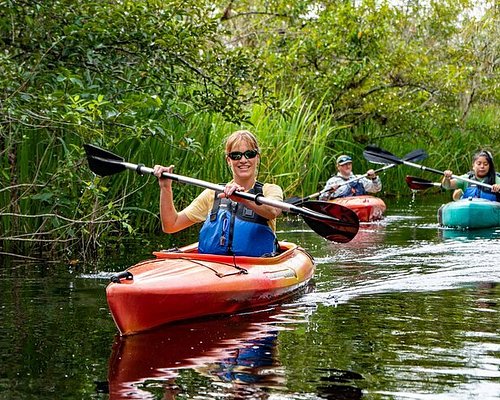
(483, 170)
(232, 225)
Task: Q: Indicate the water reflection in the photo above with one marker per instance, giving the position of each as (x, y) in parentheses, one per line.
(425, 300)
(238, 352)
(369, 235)
(337, 384)
(425, 267)
(407, 310)
(236, 358)
(473, 234)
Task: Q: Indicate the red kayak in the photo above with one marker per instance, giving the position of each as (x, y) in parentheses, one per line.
(368, 208)
(183, 284)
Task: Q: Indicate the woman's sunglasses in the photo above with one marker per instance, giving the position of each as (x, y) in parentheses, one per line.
(236, 155)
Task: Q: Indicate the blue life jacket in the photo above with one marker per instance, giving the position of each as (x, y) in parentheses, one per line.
(233, 229)
(481, 192)
(356, 188)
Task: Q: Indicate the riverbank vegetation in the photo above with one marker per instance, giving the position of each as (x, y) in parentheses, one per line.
(165, 82)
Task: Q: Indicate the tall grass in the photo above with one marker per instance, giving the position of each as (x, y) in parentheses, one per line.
(48, 195)
(294, 141)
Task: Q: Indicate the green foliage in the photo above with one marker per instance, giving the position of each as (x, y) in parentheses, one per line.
(104, 67)
(74, 72)
(163, 82)
(409, 69)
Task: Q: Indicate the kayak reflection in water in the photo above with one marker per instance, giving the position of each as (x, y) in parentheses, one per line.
(240, 351)
(246, 362)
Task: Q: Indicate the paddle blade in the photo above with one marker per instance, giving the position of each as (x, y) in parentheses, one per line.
(342, 230)
(379, 156)
(102, 162)
(416, 155)
(416, 183)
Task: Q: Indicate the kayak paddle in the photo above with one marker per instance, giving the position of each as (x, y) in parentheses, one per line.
(333, 222)
(416, 183)
(415, 155)
(380, 156)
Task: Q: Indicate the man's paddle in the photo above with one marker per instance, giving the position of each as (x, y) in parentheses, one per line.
(416, 183)
(380, 156)
(332, 221)
(415, 155)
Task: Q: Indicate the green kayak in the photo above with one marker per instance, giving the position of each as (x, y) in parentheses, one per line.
(470, 213)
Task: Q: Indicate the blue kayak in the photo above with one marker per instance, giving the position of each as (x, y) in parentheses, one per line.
(470, 213)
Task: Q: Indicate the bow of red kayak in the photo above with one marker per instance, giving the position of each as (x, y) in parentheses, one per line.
(368, 208)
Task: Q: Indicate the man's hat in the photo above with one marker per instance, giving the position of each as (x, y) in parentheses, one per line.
(343, 159)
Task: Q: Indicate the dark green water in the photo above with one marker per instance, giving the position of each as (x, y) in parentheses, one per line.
(404, 311)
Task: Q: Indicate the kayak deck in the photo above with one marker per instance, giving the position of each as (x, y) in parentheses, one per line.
(184, 284)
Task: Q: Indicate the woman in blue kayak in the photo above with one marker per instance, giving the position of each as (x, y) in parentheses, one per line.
(483, 170)
(232, 225)
(346, 184)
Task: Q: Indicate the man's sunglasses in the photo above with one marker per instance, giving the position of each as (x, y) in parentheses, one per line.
(236, 155)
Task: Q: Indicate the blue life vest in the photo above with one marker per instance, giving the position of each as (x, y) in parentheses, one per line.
(356, 188)
(233, 229)
(481, 192)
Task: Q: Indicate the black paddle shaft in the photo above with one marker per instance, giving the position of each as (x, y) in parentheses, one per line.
(105, 163)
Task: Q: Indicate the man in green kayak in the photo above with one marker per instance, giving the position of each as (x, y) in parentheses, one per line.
(483, 171)
(232, 225)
